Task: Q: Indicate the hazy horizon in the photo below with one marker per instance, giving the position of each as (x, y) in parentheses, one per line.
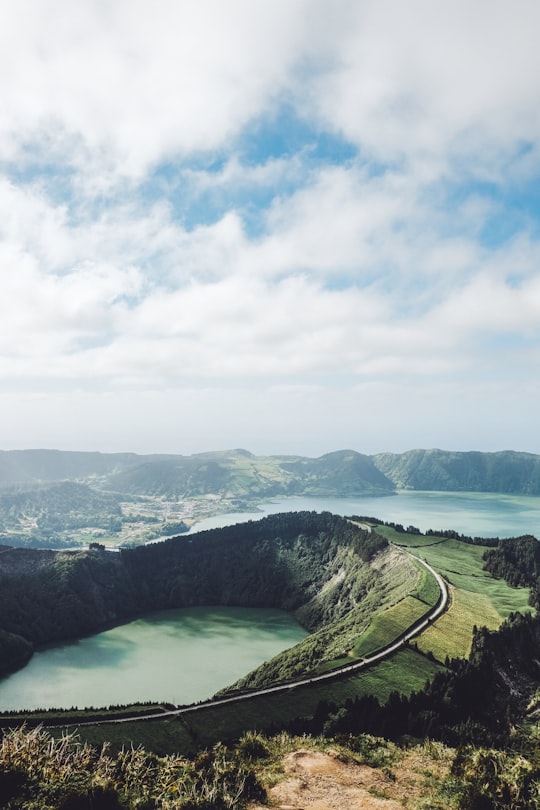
(210, 450)
(292, 226)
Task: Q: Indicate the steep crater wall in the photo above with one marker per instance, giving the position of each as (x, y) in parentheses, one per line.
(316, 566)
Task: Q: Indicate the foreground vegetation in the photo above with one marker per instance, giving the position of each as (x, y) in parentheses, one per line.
(37, 771)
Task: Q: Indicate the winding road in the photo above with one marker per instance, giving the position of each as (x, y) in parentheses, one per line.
(414, 630)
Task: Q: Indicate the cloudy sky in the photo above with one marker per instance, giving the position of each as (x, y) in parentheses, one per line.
(293, 226)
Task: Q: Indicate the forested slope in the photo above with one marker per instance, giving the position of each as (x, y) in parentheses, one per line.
(316, 565)
(506, 471)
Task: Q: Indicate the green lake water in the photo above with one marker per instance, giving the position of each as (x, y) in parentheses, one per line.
(178, 656)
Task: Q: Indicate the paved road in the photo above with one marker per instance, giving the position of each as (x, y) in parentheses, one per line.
(414, 630)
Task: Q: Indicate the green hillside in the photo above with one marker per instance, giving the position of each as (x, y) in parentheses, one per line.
(506, 471)
(240, 474)
(351, 589)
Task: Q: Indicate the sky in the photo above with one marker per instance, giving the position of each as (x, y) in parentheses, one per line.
(291, 226)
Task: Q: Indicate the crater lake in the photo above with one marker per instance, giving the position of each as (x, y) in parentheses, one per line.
(174, 656)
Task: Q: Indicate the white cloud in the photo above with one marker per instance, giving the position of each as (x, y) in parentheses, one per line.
(490, 306)
(136, 83)
(373, 269)
(220, 305)
(422, 78)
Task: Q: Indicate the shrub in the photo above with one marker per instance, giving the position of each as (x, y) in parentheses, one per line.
(252, 746)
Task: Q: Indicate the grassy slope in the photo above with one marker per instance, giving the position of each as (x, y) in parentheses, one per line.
(408, 669)
(403, 593)
(389, 623)
(477, 599)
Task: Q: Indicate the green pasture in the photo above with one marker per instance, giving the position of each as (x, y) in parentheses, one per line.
(389, 624)
(462, 566)
(427, 588)
(477, 598)
(451, 635)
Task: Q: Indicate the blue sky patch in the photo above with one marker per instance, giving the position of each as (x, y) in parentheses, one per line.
(284, 133)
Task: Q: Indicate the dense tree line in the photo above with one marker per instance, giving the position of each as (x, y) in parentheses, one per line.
(516, 560)
(15, 651)
(451, 534)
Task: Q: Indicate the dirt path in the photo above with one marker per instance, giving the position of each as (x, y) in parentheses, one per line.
(321, 781)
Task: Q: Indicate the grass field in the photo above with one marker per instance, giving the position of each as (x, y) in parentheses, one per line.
(451, 635)
(389, 624)
(476, 597)
(427, 588)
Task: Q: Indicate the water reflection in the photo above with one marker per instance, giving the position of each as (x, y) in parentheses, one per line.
(177, 656)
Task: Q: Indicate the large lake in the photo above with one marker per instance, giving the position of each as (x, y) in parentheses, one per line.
(187, 655)
(178, 656)
(478, 514)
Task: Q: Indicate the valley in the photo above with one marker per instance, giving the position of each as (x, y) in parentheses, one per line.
(354, 591)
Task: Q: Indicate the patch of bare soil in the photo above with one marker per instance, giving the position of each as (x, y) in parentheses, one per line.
(322, 781)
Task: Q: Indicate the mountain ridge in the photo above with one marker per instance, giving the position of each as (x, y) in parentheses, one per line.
(240, 473)
(504, 471)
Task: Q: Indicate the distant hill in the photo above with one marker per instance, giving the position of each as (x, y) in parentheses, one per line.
(32, 466)
(240, 474)
(505, 472)
(342, 473)
(45, 515)
(234, 473)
